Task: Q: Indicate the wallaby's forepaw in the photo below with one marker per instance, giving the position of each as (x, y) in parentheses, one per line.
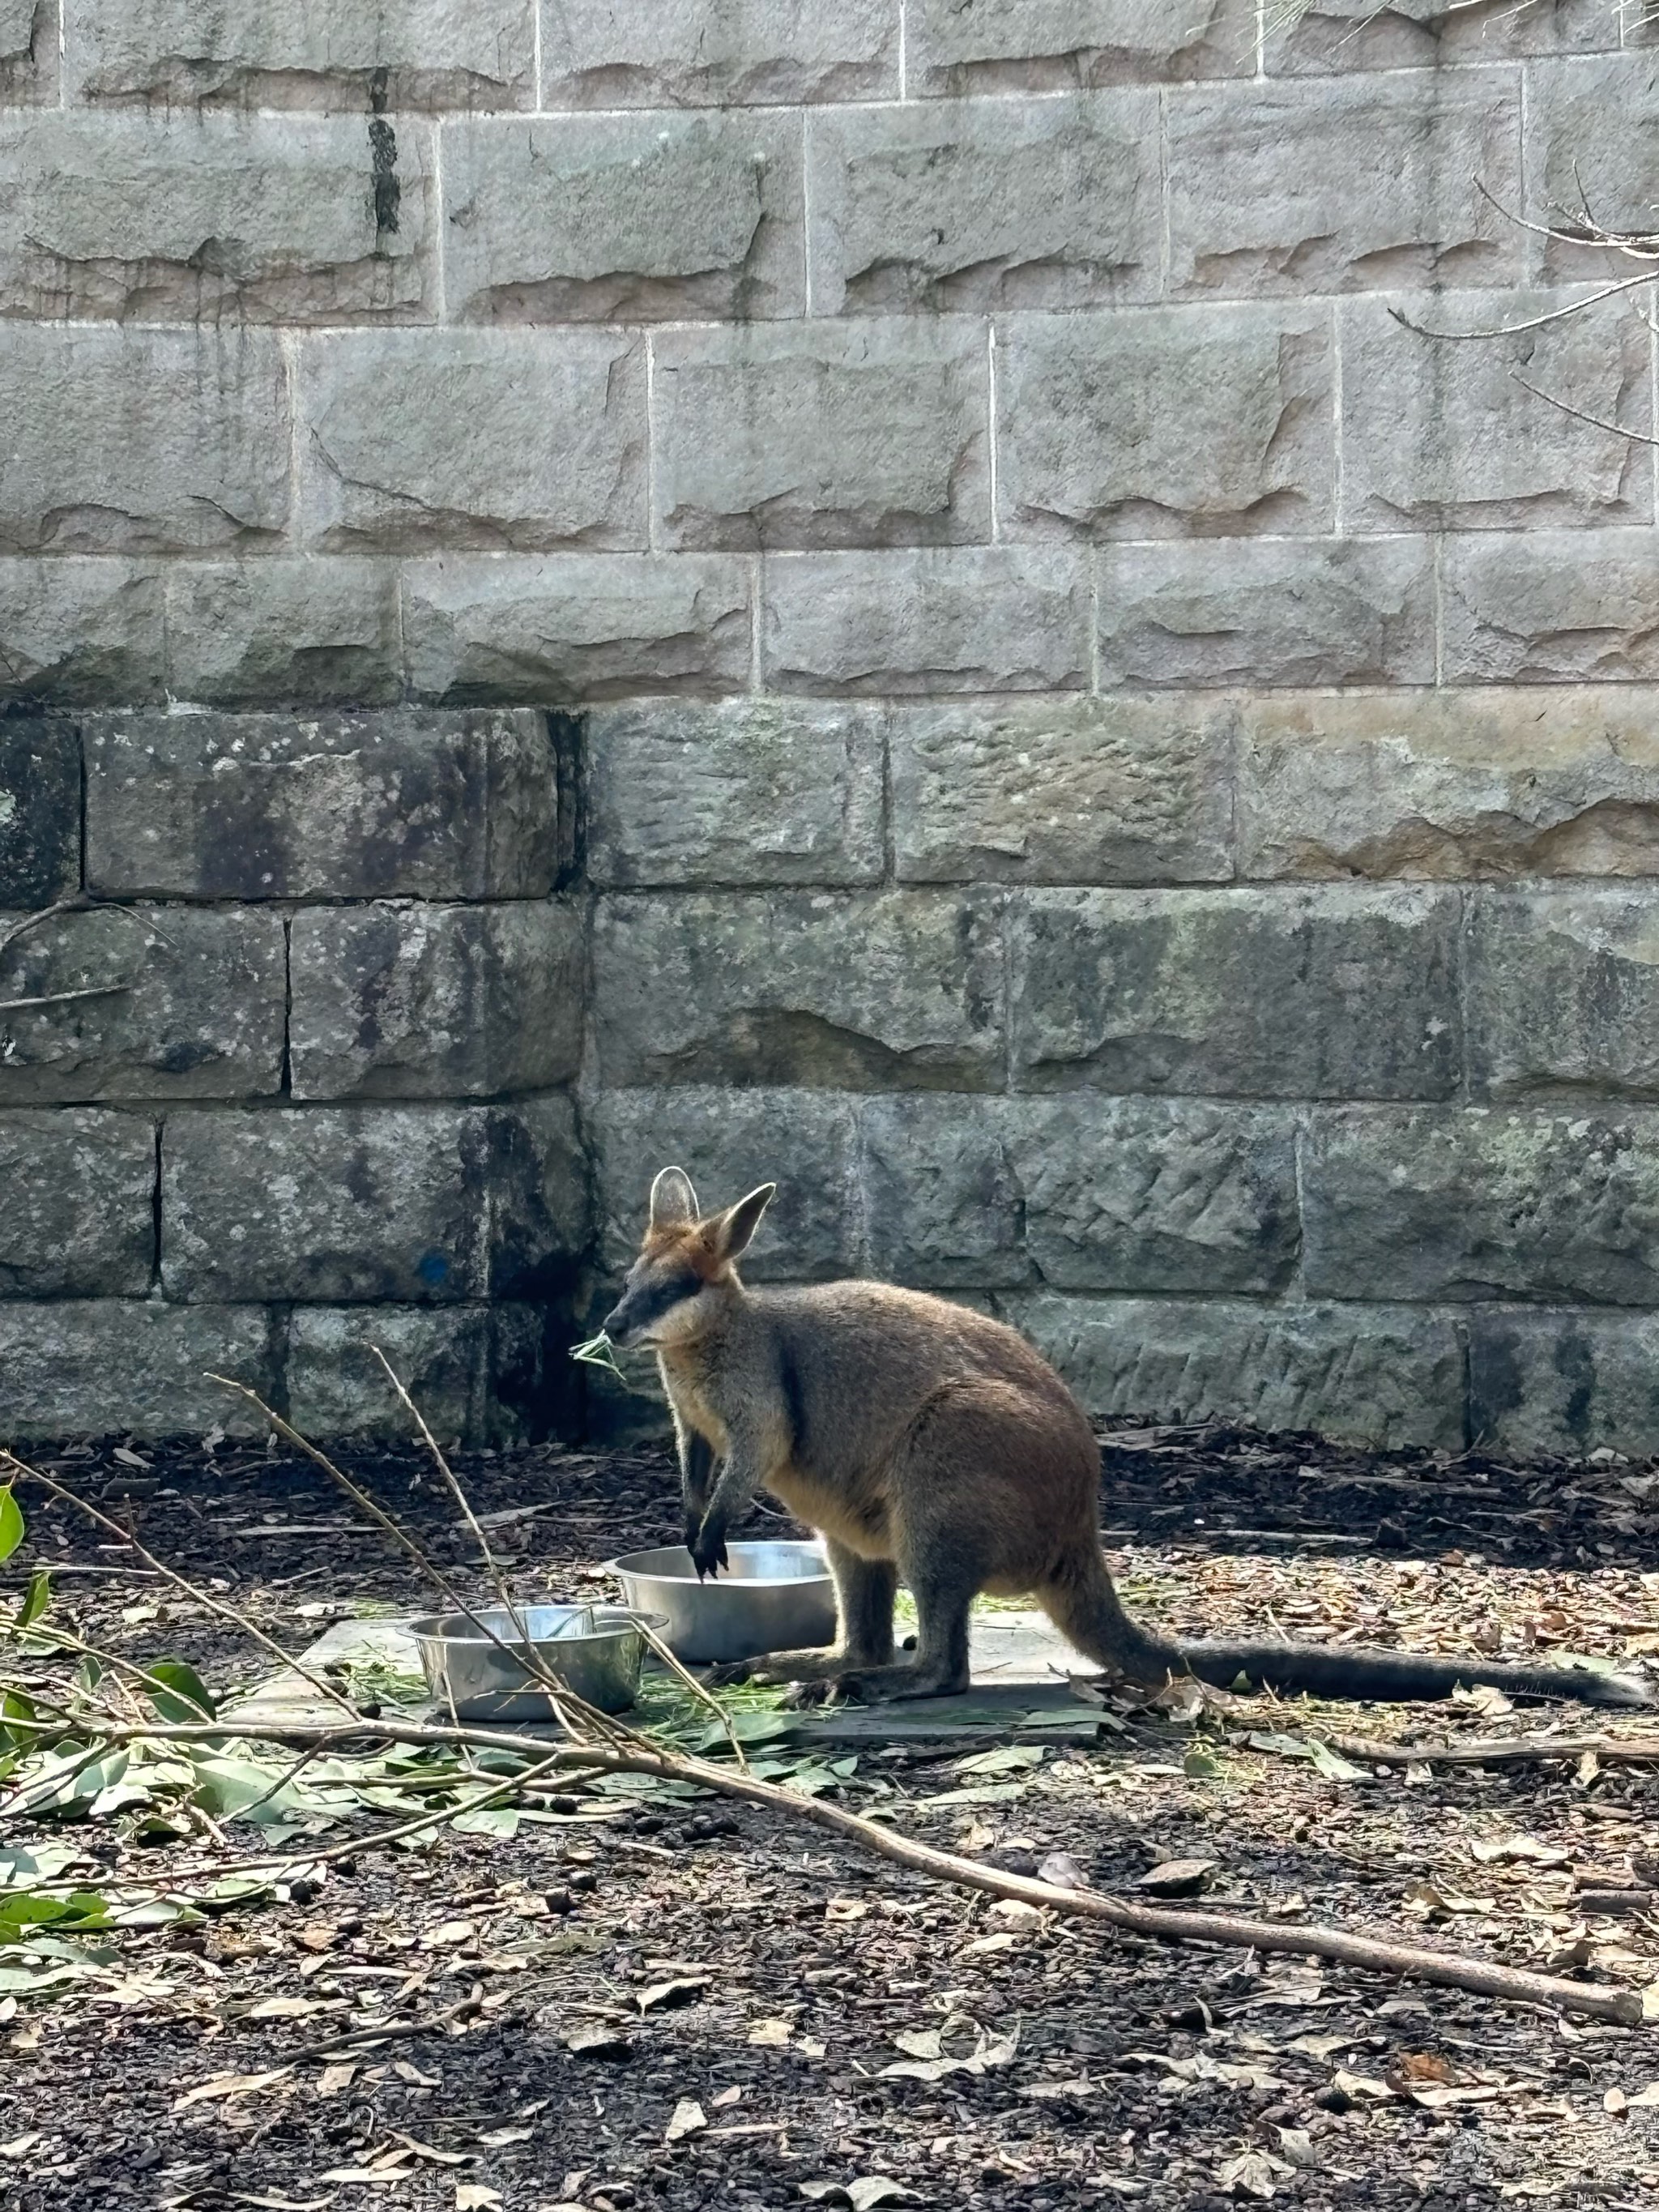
(708, 1550)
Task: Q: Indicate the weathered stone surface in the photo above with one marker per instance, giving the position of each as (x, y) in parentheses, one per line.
(313, 633)
(745, 792)
(995, 204)
(1361, 185)
(183, 1003)
(1063, 791)
(622, 218)
(129, 1367)
(29, 51)
(927, 620)
(1463, 1203)
(1441, 435)
(1178, 421)
(39, 809)
(1263, 612)
(1391, 1376)
(1593, 142)
(141, 441)
(1340, 992)
(73, 631)
(729, 1141)
(576, 626)
(340, 805)
(172, 216)
(821, 435)
(1563, 991)
(698, 53)
(328, 1203)
(1080, 1192)
(1550, 606)
(865, 991)
(1041, 46)
(78, 1219)
(430, 1001)
(290, 53)
(1449, 784)
(475, 1372)
(502, 440)
(1336, 36)
(1564, 1383)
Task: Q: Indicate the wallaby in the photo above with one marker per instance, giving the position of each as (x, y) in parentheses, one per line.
(931, 1445)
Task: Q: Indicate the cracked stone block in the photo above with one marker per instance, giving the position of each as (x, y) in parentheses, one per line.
(316, 633)
(322, 1204)
(1551, 606)
(1267, 611)
(166, 217)
(78, 1221)
(1564, 993)
(28, 52)
(1442, 435)
(397, 54)
(1047, 46)
(1593, 142)
(617, 218)
(1360, 184)
(728, 1141)
(859, 990)
(129, 1367)
(39, 810)
(1467, 1203)
(927, 619)
(822, 434)
(137, 1003)
(745, 792)
(1388, 1377)
(141, 440)
(1448, 784)
(1063, 790)
(475, 1371)
(498, 441)
(1176, 421)
(1081, 1192)
(1338, 993)
(717, 53)
(1342, 36)
(407, 801)
(575, 628)
(1564, 1384)
(1005, 203)
(430, 1001)
(74, 631)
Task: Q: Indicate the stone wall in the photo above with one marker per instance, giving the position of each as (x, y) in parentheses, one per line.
(878, 594)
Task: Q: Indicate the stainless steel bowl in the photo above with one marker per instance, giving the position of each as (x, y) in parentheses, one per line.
(595, 1650)
(775, 1597)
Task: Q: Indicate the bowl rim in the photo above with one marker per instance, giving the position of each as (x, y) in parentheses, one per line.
(633, 1618)
(622, 1570)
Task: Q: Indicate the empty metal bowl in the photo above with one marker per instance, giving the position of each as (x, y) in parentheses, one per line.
(774, 1597)
(595, 1650)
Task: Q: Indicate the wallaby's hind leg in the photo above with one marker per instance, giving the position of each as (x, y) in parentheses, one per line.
(865, 1589)
(944, 1576)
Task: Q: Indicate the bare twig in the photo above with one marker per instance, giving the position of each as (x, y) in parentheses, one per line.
(1534, 323)
(64, 997)
(1506, 1751)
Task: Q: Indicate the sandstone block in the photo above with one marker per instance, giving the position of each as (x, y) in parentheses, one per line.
(746, 792)
(716, 53)
(1341, 992)
(475, 1372)
(1042, 46)
(1007, 204)
(1592, 141)
(1564, 1383)
(501, 440)
(821, 435)
(410, 803)
(927, 619)
(316, 633)
(1063, 791)
(1551, 606)
(431, 1001)
(1497, 782)
(1439, 435)
(39, 810)
(141, 441)
(575, 628)
(129, 1367)
(75, 631)
(618, 218)
(1267, 611)
(1179, 422)
(1563, 991)
(77, 1221)
(875, 990)
(186, 1003)
(29, 51)
(1388, 1377)
(1338, 36)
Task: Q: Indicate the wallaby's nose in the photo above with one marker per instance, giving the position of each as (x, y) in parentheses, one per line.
(615, 1324)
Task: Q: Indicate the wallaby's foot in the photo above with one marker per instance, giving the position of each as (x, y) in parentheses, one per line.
(877, 1686)
(776, 1666)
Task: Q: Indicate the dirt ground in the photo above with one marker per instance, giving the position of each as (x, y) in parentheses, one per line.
(701, 1954)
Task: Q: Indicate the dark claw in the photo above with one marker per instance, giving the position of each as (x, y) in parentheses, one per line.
(707, 1549)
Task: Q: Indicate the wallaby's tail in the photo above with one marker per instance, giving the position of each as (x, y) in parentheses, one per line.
(1087, 1610)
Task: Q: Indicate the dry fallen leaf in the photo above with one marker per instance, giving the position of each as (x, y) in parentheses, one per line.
(863, 2196)
(334, 2079)
(449, 1935)
(664, 1996)
(473, 2196)
(770, 2034)
(1177, 1877)
(688, 2118)
(1408, 2070)
(229, 2085)
(1252, 2173)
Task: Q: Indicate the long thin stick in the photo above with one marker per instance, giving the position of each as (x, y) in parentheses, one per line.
(1506, 1751)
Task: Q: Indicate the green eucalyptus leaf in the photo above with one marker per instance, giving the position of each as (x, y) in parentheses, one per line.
(11, 1523)
(185, 1697)
(36, 1598)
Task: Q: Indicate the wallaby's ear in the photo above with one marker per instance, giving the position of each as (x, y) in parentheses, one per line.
(735, 1227)
(672, 1199)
